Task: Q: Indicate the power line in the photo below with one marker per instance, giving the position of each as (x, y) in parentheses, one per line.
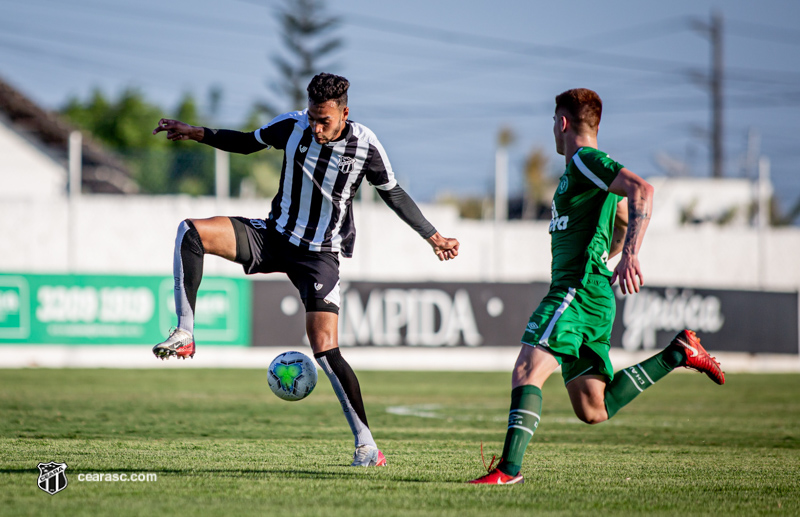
(113, 49)
(185, 19)
(763, 32)
(634, 33)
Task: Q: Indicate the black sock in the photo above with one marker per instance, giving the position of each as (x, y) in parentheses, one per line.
(188, 271)
(345, 384)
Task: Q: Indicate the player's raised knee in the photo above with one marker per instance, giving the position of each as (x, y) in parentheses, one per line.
(591, 416)
(188, 232)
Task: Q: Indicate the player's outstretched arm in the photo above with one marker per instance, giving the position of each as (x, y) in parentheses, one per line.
(639, 194)
(398, 200)
(445, 248)
(177, 130)
(223, 139)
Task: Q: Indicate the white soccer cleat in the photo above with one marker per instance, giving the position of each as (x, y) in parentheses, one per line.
(180, 343)
(368, 456)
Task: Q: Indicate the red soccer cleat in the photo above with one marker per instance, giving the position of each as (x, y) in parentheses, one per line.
(495, 475)
(498, 477)
(696, 356)
(368, 456)
(180, 344)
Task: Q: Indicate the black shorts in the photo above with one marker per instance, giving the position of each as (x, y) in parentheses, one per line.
(315, 274)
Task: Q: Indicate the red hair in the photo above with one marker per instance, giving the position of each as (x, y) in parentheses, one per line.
(583, 107)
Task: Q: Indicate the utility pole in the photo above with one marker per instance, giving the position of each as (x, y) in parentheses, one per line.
(75, 180)
(714, 82)
(504, 139)
(715, 34)
(222, 174)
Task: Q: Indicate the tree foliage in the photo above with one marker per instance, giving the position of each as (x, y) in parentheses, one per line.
(125, 125)
(308, 39)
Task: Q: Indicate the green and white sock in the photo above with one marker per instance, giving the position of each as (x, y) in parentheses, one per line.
(523, 419)
(630, 381)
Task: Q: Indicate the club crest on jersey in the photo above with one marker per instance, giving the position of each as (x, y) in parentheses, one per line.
(302, 149)
(346, 164)
(563, 184)
(52, 478)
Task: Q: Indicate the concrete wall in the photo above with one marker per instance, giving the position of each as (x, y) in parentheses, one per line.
(27, 172)
(115, 234)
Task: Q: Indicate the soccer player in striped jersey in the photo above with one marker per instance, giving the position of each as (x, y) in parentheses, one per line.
(326, 157)
(600, 208)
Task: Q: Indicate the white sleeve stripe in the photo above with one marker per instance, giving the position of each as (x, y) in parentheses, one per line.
(586, 172)
(257, 134)
(387, 186)
(386, 164)
(297, 115)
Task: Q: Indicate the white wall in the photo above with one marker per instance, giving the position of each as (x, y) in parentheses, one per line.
(135, 235)
(704, 199)
(25, 171)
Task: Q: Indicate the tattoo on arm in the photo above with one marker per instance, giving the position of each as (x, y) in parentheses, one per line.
(637, 218)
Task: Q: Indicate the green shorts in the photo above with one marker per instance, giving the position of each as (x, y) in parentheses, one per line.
(574, 324)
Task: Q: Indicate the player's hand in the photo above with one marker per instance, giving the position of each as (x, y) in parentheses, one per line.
(629, 274)
(177, 130)
(444, 247)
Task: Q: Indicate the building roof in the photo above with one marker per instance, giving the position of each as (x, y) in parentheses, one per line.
(103, 171)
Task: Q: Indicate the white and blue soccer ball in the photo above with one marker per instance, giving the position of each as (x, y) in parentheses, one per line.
(292, 376)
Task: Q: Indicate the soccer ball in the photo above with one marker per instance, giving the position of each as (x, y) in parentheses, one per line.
(292, 376)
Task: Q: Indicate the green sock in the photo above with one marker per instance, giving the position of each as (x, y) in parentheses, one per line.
(631, 381)
(523, 419)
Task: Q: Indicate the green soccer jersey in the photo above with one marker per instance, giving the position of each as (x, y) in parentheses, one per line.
(583, 217)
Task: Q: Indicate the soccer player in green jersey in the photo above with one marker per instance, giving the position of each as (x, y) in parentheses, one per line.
(600, 209)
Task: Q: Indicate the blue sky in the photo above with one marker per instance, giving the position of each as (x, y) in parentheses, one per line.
(437, 80)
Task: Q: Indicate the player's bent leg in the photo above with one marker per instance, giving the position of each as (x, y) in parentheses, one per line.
(195, 238)
(217, 235)
(587, 394)
(534, 365)
(322, 328)
(684, 351)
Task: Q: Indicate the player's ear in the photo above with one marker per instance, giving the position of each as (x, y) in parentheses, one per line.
(564, 123)
(345, 112)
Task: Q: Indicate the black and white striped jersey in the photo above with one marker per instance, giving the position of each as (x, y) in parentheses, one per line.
(318, 181)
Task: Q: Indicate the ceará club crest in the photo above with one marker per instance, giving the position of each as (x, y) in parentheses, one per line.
(346, 164)
(52, 478)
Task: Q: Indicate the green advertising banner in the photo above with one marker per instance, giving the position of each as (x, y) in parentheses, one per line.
(117, 310)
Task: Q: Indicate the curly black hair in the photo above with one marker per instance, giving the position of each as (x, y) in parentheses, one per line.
(328, 87)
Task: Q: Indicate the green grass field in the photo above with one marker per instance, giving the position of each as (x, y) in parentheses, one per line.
(222, 444)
